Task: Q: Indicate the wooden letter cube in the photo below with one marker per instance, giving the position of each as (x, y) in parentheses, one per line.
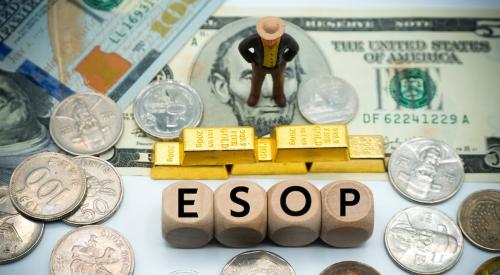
(294, 210)
(187, 214)
(347, 213)
(240, 214)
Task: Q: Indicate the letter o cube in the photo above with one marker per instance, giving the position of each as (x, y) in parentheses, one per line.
(187, 214)
(347, 213)
(294, 213)
(240, 211)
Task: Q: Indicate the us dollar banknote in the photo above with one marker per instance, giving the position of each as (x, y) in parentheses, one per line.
(431, 73)
(50, 49)
(103, 46)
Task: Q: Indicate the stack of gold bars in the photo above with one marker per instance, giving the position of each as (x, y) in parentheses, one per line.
(216, 153)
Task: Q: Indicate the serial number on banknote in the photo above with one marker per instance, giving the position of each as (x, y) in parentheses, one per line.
(135, 17)
(397, 118)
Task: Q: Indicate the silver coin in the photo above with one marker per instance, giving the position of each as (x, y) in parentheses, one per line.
(92, 249)
(423, 240)
(18, 235)
(86, 124)
(164, 108)
(47, 186)
(257, 262)
(426, 170)
(327, 100)
(104, 192)
(479, 219)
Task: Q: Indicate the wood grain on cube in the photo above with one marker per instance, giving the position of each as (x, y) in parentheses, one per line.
(347, 213)
(294, 213)
(240, 210)
(187, 214)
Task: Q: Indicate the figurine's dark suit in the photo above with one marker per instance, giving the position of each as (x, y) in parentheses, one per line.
(287, 49)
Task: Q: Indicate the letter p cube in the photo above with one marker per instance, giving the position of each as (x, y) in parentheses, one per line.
(347, 213)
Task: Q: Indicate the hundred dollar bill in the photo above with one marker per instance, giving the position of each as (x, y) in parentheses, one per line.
(103, 46)
(50, 49)
(431, 73)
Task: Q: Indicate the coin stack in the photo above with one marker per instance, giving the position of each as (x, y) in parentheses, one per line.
(80, 190)
(215, 153)
(429, 171)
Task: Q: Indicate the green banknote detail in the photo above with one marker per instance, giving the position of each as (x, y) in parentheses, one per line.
(412, 88)
(105, 5)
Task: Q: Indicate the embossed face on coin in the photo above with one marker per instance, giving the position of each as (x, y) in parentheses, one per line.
(257, 262)
(92, 249)
(349, 268)
(165, 107)
(86, 124)
(18, 235)
(47, 186)
(479, 219)
(104, 192)
(327, 100)
(426, 170)
(423, 240)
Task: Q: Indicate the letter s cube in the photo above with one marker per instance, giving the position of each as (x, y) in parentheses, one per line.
(240, 214)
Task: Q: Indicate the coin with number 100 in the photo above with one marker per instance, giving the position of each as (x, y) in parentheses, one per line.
(47, 186)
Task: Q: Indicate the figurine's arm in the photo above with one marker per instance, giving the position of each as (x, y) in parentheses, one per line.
(244, 49)
(293, 48)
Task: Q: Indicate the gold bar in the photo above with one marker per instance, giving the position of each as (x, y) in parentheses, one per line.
(271, 168)
(366, 155)
(218, 146)
(167, 159)
(167, 153)
(310, 143)
(204, 172)
(266, 148)
(265, 165)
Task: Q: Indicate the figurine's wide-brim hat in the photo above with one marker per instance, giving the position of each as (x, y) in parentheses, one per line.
(270, 27)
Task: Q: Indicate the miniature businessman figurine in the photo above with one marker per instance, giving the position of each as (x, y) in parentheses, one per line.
(268, 50)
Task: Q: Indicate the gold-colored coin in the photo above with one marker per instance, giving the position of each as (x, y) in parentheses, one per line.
(490, 267)
(349, 268)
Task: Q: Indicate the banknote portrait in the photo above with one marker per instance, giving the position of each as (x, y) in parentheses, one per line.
(25, 111)
(222, 77)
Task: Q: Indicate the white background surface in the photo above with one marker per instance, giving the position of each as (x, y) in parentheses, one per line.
(138, 219)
